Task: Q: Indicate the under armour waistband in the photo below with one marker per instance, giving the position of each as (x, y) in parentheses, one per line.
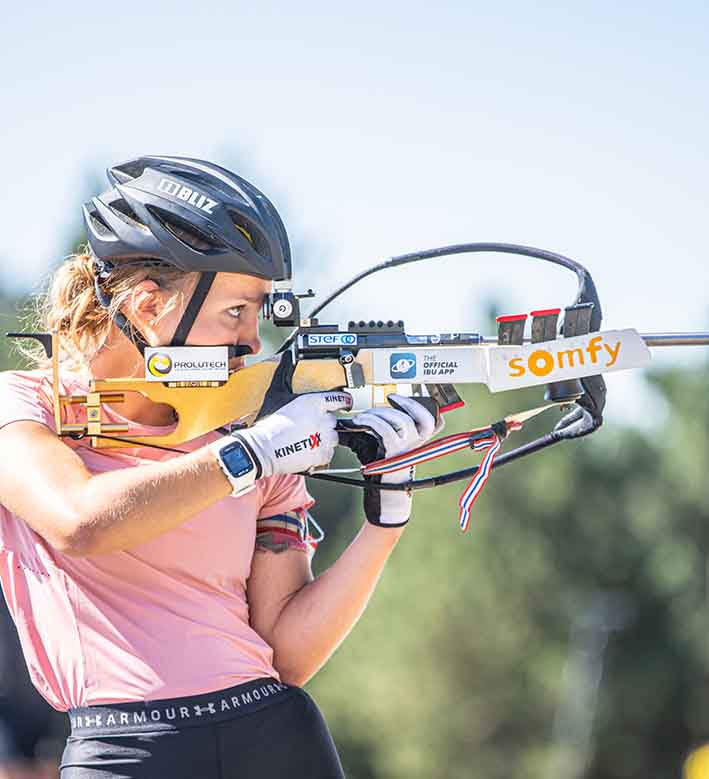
(176, 713)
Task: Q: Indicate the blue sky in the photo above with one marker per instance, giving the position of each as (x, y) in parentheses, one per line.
(388, 127)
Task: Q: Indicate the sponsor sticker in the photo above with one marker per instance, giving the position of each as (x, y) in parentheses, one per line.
(186, 363)
(402, 365)
(159, 364)
(565, 358)
(332, 339)
(510, 367)
(429, 365)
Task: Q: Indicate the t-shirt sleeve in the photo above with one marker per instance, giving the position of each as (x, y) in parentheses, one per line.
(22, 398)
(283, 521)
(285, 493)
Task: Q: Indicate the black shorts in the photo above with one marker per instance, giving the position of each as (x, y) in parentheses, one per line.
(261, 729)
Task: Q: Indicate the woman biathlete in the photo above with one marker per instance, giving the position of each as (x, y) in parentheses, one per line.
(166, 600)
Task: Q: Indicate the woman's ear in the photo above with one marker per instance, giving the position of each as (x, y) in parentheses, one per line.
(144, 306)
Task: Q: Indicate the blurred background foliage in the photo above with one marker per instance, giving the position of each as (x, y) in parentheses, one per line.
(564, 636)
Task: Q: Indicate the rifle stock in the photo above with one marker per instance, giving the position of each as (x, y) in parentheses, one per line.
(201, 409)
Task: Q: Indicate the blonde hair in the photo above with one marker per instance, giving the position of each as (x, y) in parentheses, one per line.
(69, 306)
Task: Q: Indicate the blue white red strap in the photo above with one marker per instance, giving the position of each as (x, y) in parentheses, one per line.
(481, 439)
(492, 444)
(439, 448)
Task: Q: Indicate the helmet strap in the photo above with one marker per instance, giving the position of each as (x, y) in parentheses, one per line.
(127, 328)
(193, 307)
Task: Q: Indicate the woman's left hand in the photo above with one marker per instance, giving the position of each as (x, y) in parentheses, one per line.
(399, 429)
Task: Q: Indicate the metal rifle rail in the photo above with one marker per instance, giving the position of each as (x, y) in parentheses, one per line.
(676, 339)
(651, 339)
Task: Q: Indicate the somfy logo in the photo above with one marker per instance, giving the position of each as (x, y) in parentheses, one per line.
(542, 362)
(191, 196)
(402, 365)
(159, 364)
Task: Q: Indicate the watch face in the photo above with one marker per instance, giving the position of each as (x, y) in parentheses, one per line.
(236, 459)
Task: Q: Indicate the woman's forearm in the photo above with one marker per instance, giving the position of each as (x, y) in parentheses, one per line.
(320, 615)
(127, 507)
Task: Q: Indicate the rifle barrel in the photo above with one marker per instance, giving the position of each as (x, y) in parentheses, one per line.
(676, 339)
(651, 339)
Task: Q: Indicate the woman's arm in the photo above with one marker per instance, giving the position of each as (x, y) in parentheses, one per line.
(306, 619)
(43, 481)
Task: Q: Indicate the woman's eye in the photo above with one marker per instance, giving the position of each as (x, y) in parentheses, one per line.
(235, 312)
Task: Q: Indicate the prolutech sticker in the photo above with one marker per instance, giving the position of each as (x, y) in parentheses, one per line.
(159, 364)
(187, 363)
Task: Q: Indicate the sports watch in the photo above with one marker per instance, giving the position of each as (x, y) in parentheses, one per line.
(237, 462)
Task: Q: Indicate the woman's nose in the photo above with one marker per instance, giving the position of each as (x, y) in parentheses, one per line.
(251, 338)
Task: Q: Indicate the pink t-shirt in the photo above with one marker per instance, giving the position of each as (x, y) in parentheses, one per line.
(165, 619)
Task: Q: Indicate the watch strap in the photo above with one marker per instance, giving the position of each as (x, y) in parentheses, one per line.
(240, 484)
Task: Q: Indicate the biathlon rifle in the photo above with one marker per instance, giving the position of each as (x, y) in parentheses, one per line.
(566, 356)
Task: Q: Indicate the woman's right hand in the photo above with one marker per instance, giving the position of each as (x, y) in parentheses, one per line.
(299, 436)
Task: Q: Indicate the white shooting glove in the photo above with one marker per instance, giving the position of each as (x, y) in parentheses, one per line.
(399, 430)
(298, 437)
(292, 434)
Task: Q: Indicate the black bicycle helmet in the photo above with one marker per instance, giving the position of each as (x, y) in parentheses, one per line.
(189, 214)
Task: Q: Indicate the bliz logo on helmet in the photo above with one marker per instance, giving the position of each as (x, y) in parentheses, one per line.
(159, 364)
(332, 339)
(313, 441)
(402, 365)
(191, 196)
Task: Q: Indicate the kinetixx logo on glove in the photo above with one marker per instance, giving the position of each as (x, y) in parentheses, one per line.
(313, 441)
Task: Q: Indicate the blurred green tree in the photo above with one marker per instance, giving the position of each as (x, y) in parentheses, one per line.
(564, 636)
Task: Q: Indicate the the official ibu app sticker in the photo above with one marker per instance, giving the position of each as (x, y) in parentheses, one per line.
(402, 365)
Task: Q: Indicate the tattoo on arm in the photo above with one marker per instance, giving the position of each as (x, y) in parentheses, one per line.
(285, 531)
(278, 542)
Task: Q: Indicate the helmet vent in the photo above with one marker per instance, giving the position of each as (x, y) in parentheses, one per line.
(129, 170)
(122, 207)
(99, 225)
(222, 190)
(252, 235)
(185, 232)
